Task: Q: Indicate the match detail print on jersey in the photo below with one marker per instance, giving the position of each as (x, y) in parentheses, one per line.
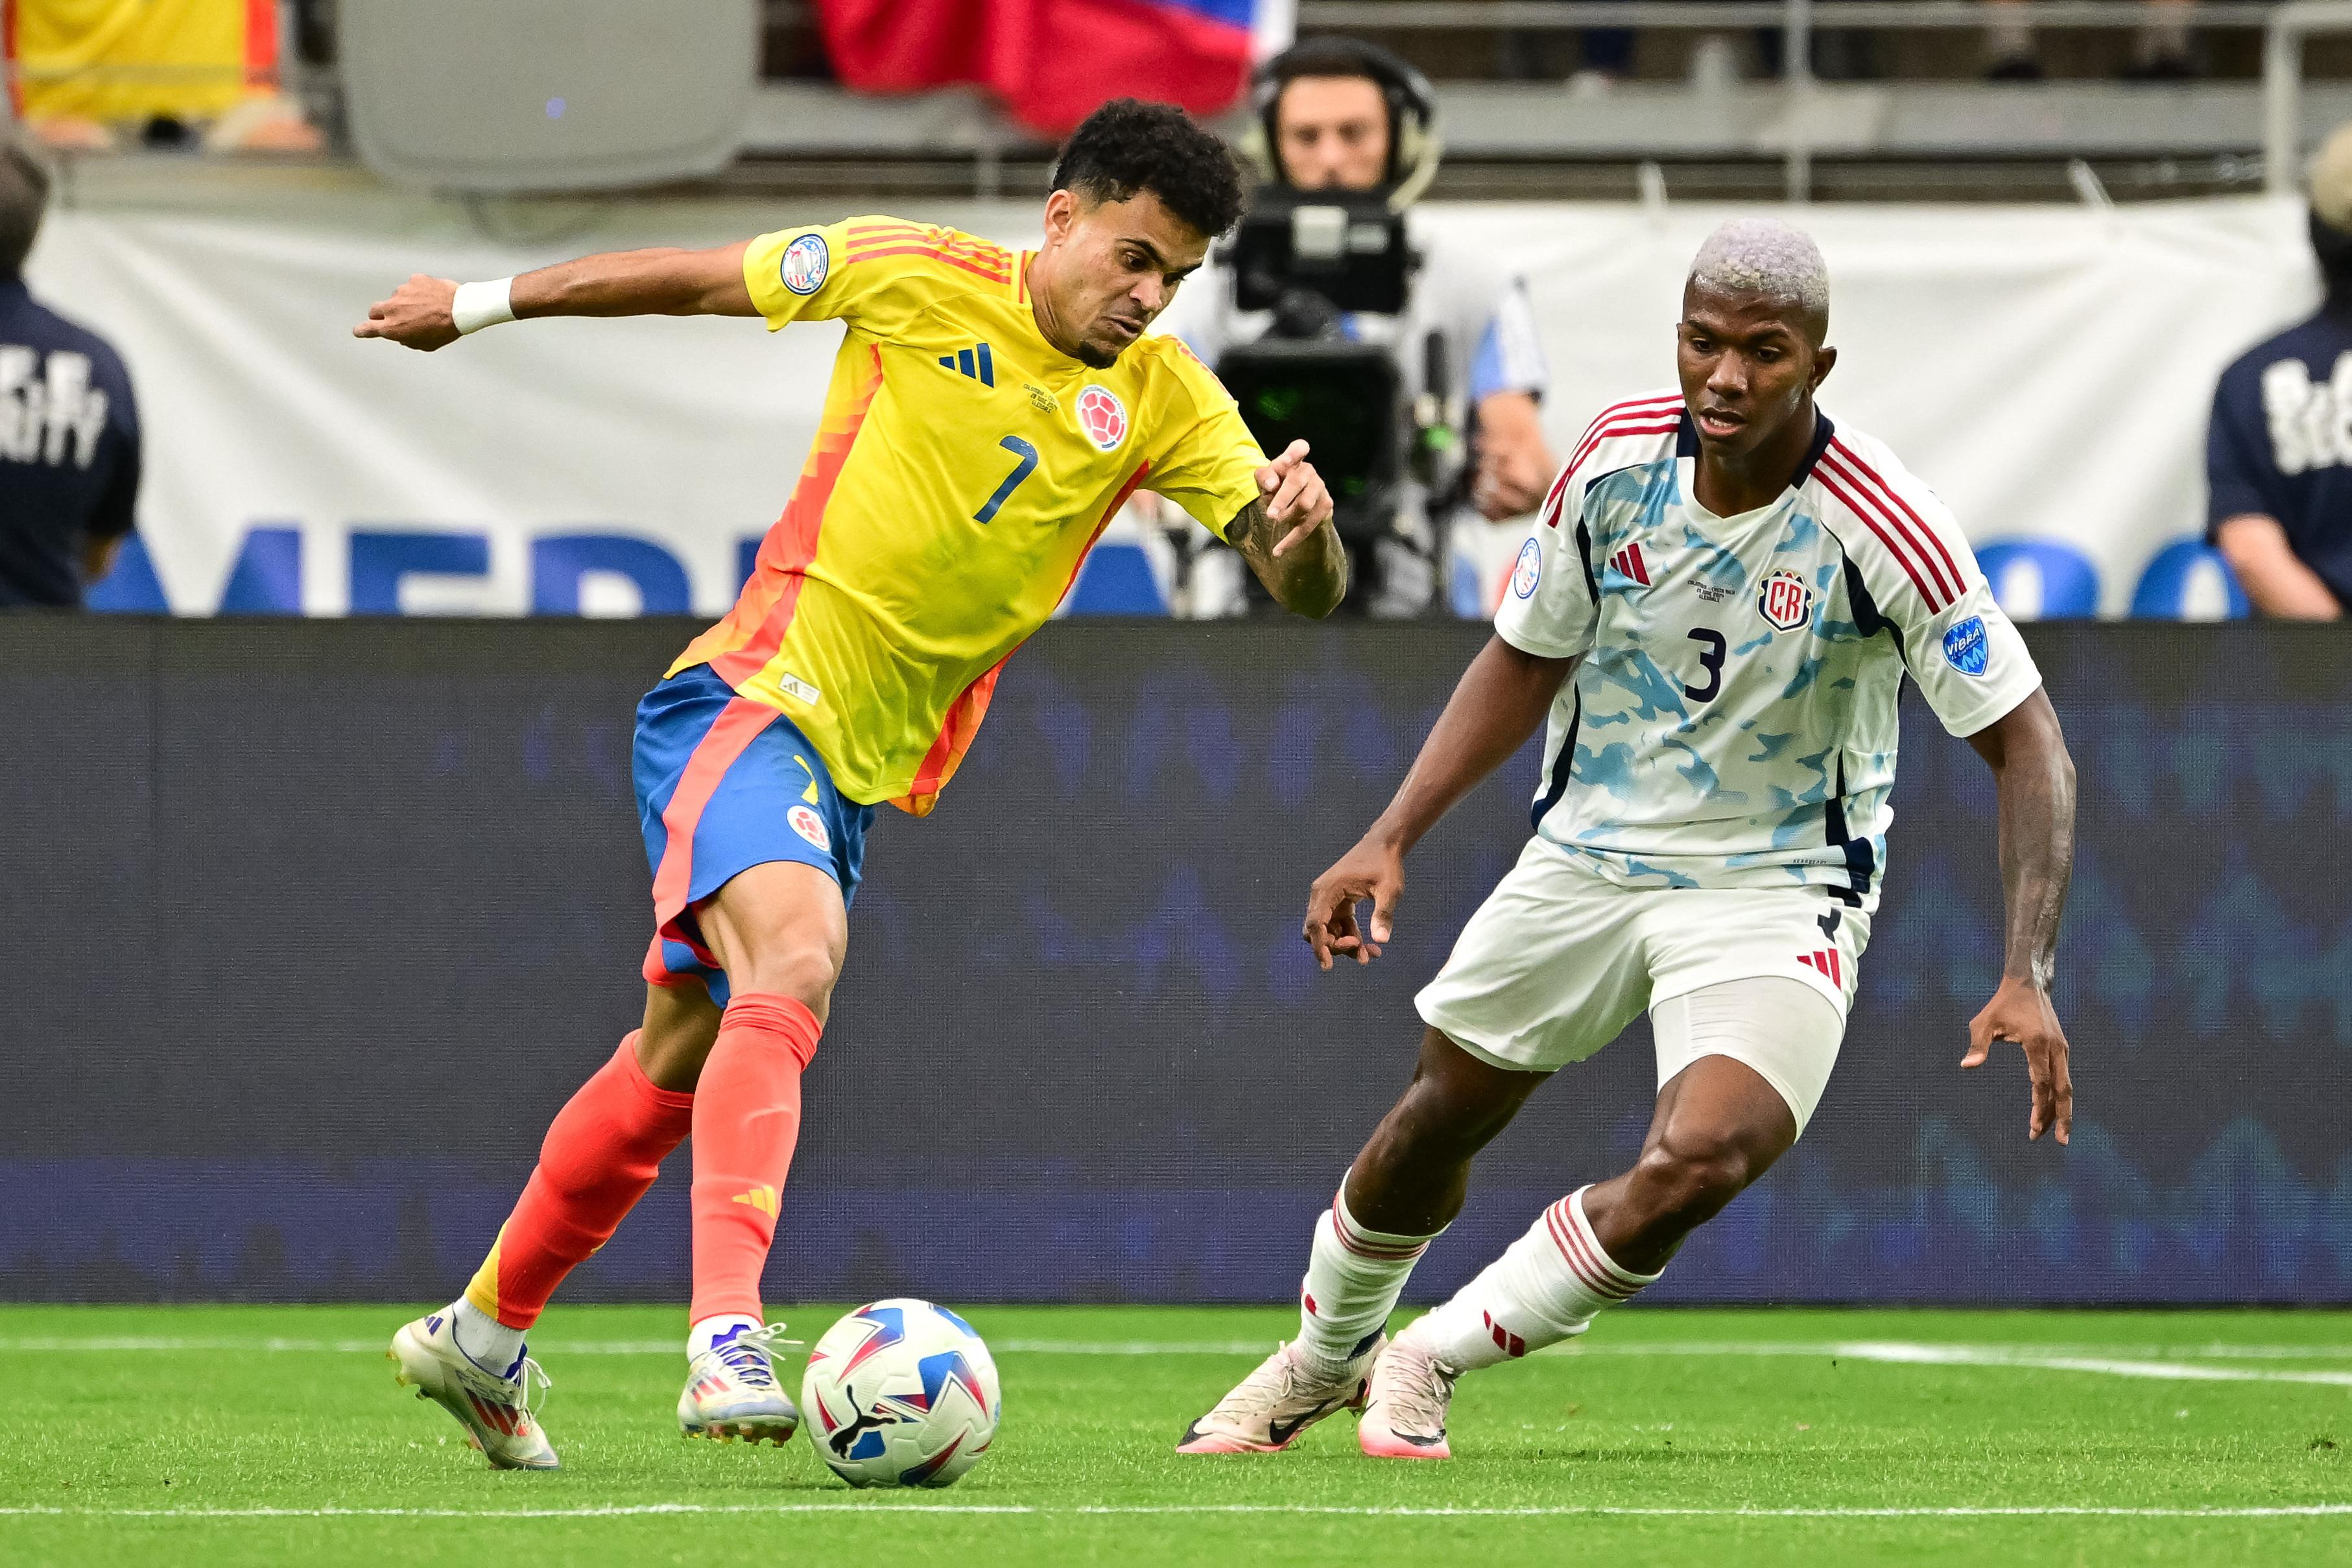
(1731, 721)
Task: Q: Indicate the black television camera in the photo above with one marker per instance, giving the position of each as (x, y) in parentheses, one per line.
(1310, 258)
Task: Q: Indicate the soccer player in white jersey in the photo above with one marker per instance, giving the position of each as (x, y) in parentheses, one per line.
(1722, 595)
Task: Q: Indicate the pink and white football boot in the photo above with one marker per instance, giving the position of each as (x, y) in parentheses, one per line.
(1405, 1407)
(1269, 1409)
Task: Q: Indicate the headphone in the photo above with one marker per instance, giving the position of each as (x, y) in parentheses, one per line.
(1415, 143)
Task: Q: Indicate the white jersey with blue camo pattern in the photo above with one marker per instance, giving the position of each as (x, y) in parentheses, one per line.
(1732, 720)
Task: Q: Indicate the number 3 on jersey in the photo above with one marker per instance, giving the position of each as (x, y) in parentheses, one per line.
(1711, 660)
(1021, 470)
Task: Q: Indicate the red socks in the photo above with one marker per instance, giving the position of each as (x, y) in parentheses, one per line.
(608, 1141)
(600, 1156)
(747, 1121)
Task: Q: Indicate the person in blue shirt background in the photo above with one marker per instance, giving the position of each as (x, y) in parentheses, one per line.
(2278, 458)
(69, 427)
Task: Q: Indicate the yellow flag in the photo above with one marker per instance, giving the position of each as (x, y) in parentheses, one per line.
(134, 59)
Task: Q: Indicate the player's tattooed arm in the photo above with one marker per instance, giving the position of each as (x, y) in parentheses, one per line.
(2035, 779)
(1497, 704)
(420, 312)
(1287, 537)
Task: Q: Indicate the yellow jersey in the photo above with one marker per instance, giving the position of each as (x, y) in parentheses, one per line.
(962, 469)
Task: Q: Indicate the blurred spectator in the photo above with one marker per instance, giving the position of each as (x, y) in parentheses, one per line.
(2160, 55)
(2278, 458)
(1589, 60)
(1336, 120)
(89, 75)
(69, 429)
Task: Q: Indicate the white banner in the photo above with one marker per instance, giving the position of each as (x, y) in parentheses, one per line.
(2049, 370)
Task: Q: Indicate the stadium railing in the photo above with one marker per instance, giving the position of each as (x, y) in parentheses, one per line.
(2282, 37)
(1797, 21)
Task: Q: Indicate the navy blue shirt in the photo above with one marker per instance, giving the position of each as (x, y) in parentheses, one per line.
(68, 449)
(2281, 444)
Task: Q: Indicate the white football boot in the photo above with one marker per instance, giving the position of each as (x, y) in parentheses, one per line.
(495, 1412)
(1269, 1409)
(731, 1391)
(1405, 1409)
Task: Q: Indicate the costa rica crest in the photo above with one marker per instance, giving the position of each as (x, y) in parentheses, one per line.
(1785, 600)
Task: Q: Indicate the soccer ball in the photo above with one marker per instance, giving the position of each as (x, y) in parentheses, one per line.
(900, 1393)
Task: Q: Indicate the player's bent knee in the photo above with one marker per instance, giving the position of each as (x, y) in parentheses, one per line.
(1690, 1183)
(805, 973)
(1434, 1125)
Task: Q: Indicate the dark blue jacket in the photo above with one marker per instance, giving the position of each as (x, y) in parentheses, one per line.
(68, 449)
(2281, 444)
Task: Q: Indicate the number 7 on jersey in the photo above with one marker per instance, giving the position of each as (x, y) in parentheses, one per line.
(1021, 470)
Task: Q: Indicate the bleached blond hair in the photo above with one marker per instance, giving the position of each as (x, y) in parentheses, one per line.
(1764, 255)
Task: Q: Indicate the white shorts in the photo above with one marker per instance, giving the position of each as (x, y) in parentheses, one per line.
(1559, 960)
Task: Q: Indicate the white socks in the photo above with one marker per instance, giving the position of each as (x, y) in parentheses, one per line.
(708, 1331)
(1354, 1276)
(1544, 1288)
(483, 1339)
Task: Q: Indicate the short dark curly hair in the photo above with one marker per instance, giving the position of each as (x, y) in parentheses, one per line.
(1129, 145)
(24, 197)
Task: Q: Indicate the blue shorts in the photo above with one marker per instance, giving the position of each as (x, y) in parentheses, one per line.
(725, 783)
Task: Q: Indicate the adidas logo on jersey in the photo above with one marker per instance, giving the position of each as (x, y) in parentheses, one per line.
(1629, 563)
(976, 362)
(1826, 961)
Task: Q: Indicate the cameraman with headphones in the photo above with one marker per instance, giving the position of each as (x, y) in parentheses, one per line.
(1339, 116)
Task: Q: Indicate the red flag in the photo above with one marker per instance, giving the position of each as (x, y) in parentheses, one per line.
(1053, 62)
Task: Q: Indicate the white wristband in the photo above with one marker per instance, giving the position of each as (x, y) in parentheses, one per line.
(479, 305)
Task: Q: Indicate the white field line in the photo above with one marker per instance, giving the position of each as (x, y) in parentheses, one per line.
(2159, 1363)
(1995, 1355)
(622, 1510)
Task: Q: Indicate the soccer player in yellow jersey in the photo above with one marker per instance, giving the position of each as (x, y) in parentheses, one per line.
(989, 410)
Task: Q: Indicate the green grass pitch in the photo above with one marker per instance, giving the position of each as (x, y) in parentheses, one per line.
(195, 1436)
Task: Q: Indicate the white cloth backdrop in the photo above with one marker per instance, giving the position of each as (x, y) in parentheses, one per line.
(2047, 369)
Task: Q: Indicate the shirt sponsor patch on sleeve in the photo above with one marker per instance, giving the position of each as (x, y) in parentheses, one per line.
(1966, 646)
(1529, 571)
(805, 263)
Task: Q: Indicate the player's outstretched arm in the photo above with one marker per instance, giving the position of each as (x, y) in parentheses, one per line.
(1287, 537)
(427, 313)
(2035, 779)
(1497, 705)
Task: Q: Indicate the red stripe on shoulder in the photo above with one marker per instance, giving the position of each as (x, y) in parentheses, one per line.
(1649, 407)
(1875, 519)
(1949, 571)
(1644, 417)
(1628, 425)
(1549, 511)
(945, 239)
(936, 253)
(1638, 406)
